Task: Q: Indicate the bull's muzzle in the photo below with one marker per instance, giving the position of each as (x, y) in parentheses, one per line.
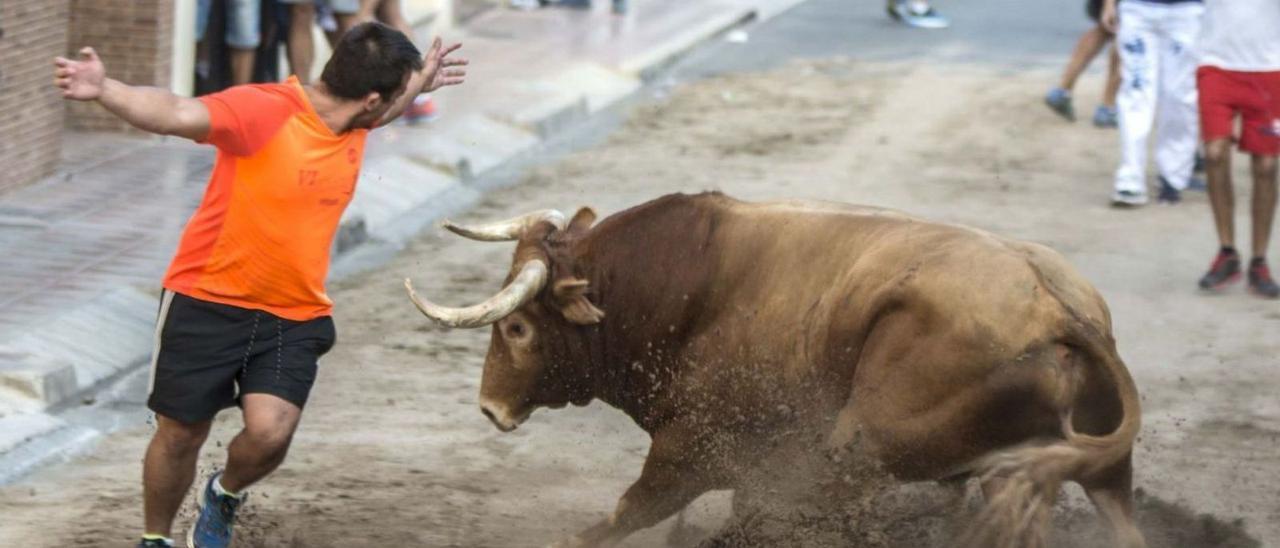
(501, 416)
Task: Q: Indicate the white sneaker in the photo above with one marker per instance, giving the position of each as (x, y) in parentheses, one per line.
(1128, 198)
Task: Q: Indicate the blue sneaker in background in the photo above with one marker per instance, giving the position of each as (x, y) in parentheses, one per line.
(1106, 117)
(212, 528)
(1059, 100)
(917, 14)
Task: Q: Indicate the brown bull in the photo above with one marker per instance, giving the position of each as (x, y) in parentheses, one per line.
(716, 324)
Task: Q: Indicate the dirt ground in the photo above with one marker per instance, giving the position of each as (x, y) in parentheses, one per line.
(393, 449)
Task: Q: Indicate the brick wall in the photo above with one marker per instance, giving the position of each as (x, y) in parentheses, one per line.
(134, 38)
(31, 113)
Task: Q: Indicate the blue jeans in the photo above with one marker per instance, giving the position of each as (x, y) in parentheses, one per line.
(244, 19)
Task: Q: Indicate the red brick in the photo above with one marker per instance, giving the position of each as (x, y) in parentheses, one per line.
(134, 39)
(35, 32)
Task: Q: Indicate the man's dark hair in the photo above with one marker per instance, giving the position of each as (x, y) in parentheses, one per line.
(370, 57)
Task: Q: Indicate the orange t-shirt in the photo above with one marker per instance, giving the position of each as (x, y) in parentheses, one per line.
(261, 237)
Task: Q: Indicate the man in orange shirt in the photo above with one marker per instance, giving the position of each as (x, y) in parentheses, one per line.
(244, 315)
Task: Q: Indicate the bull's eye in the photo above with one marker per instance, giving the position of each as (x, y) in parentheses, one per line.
(516, 330)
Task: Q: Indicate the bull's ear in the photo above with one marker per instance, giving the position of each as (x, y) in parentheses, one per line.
(571, 296)
(582, 220)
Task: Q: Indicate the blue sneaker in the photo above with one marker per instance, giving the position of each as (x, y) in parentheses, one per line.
(217, 516)
(1059, 100)
(917, 14)
(1106, 117)
(155, 543)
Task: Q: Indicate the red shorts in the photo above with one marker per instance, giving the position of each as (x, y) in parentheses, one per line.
(1254, 95)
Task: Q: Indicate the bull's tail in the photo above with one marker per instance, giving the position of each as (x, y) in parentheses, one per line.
(1024, 481)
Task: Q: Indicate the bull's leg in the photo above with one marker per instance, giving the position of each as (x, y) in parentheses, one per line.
(673, 476)
(1112, 492)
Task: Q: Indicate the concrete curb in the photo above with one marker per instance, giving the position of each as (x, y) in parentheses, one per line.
(46, 371)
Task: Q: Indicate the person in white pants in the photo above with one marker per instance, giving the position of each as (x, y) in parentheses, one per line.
(1156, 40)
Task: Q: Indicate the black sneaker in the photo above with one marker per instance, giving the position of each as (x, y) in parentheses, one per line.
(1225, 269)
(1168, 194)
(1260, 282)
(154, 543)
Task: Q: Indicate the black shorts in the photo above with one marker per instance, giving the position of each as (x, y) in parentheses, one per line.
(1093, 8)
(208, 354)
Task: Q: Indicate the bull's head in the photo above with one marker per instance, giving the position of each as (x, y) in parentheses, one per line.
(537, 353)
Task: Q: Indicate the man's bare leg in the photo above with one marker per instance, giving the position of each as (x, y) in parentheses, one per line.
(1264, 202)
(269, 423)
(1217, 157)
(301, 49)
(168, 470)
(242, 65)
(390, 12)
(1226, 267)
(1088, 47)
(1113, 79)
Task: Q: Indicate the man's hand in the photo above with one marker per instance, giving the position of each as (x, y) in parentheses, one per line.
(440, 69)
(1110, 19)
(150, 109)
(81, 80)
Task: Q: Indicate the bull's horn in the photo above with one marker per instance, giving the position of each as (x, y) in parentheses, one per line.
(507, 230)
(533, 275)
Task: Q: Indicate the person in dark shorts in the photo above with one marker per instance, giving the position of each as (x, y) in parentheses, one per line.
(1091, 43)
(244, 315)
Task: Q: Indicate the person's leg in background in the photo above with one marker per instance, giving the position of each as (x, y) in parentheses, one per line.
(1139, 44)
(1177, 128)
(202, 49)
(1106, 115)
(244, 34)
(1263, 214)
(1217, 117)
(1222, 197)
(328, 22)
(1260, 137)
(389, 13)
(302, 14)
(347, 13)
(1088, 47)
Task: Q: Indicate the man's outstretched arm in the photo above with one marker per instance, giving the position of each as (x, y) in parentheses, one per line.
(150, 109)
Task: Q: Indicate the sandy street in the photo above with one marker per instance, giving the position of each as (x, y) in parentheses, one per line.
(393, 450)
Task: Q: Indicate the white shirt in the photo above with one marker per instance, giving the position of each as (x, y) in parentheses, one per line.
(1241, 35)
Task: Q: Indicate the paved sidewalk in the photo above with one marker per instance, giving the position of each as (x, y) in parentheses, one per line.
(84, 250)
